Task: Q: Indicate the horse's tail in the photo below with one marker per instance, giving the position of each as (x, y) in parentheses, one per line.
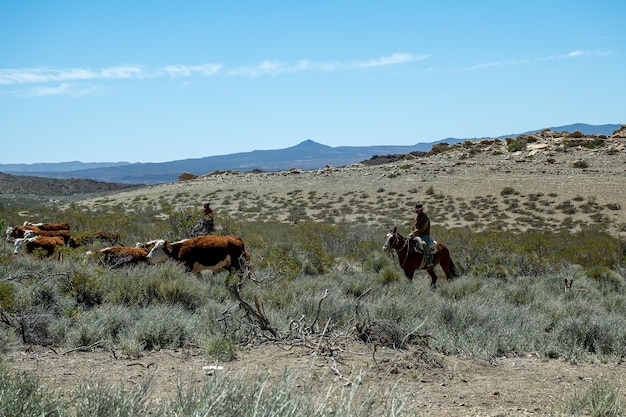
(454, 273)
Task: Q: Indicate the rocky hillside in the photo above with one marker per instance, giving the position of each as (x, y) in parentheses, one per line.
(544, 180)
(20, 185)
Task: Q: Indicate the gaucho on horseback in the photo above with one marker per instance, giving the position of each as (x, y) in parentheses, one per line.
(421, 229)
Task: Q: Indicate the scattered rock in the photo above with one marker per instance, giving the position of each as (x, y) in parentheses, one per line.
(186, 176)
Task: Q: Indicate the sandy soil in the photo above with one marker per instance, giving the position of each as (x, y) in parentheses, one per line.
(434, 384)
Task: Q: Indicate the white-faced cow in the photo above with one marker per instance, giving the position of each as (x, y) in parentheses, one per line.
(46, 244)
(215, 253)
(18, 232)
(119, 256)
(147, 245)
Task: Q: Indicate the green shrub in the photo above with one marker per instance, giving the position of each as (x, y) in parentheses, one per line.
(376, 263)
(100, 398)
(163, 284)
(601, 398)
(388, 275)
(606, 277)
(22, 395)
(492, 269)
(581, 164)
(7, 296)
(516, 145)
(585, 334)
(220, 348)
(508, 191)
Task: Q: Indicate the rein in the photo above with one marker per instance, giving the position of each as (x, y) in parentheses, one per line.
(406, 244)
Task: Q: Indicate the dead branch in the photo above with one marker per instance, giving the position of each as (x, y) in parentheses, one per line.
(348, 381)
(319, 308)
(7, 319)
(409, 334)
(83, 348)
(358, 300)
(258, 314)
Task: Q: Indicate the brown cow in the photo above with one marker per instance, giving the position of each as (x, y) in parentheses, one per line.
(119, 256)
(20, 232)
(215, 253)
(45, 243)
(49, 226)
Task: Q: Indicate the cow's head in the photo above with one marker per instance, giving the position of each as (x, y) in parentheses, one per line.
(160, 251)
(20, 245)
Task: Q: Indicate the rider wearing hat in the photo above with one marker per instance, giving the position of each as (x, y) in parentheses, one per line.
(421, 228)
(208, 221)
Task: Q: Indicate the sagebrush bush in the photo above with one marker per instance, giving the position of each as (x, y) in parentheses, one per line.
(603, 398)
(22, 395)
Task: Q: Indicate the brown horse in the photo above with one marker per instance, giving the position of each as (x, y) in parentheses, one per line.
(412, 260)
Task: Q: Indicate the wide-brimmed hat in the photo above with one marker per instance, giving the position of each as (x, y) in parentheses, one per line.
(419, 207)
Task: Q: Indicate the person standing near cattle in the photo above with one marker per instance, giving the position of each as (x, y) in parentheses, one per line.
(208, 218)
(421, 228)
(207, 224)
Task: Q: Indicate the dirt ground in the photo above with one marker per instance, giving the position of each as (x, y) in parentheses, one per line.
(438, 385)
(435, 385)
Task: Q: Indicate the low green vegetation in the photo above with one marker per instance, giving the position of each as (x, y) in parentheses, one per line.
(332, 275)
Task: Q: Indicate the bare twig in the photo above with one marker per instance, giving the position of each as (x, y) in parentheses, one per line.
(358, 300)
(83, 348)
(406, 337)
(319, 308)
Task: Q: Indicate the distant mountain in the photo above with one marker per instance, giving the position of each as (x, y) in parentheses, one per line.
(306, 155)
(57, 167)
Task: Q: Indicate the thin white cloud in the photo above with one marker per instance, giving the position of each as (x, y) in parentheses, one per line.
(277, 68)
(394, 59)
(577, 53)
(569, 55)
(497, 64)
(47, 75)
(176, 71)
(63, 89)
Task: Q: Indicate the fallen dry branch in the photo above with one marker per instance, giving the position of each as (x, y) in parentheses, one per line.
(84, 348)
(258, 314)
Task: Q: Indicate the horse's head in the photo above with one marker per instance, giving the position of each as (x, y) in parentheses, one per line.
(392, 240)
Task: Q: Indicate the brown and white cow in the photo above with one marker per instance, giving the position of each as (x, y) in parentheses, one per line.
(147, 245)
(49, 226)
(215, 253)
(45, 243)
(18, 232)
(119, 256)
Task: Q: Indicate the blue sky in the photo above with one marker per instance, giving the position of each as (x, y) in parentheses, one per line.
(154, 81)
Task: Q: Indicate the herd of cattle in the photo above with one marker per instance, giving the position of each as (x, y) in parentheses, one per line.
(215, 253)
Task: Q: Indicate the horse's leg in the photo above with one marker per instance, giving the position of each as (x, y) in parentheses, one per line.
(445, 265)
(433, 278)
(409, 273)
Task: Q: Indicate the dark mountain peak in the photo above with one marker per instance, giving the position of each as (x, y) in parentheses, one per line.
(310, 144)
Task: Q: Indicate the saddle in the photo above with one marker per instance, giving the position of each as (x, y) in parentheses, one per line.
(419, 244)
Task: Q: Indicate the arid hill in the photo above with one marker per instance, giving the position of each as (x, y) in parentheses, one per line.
(550, 179)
